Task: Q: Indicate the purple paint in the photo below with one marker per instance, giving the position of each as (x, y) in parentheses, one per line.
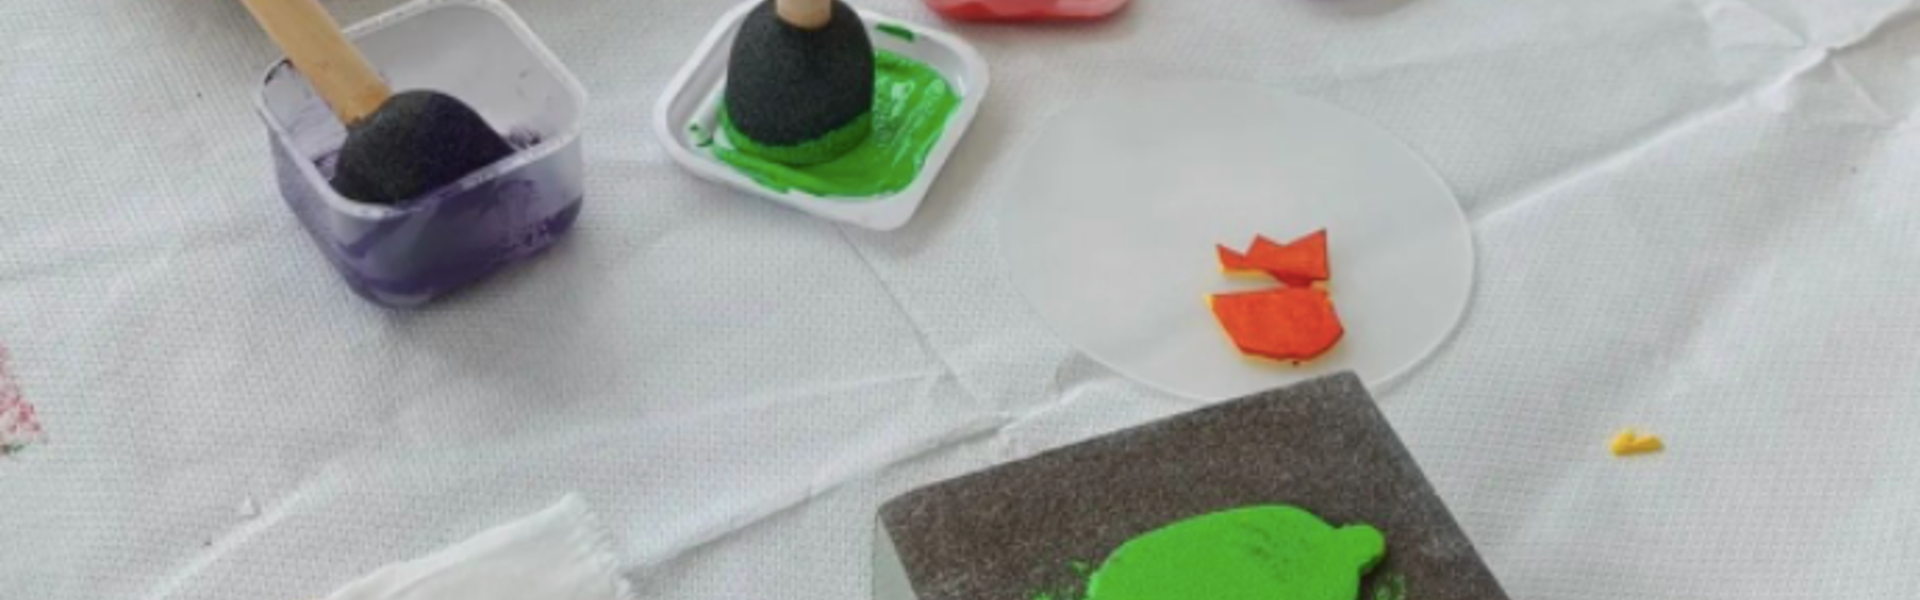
(431, 245)
(412, 254)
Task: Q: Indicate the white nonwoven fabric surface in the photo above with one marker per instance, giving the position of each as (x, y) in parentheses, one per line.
(1696, 217)
(559, 553)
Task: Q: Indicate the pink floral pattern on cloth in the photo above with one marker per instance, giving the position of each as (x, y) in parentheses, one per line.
(18, 427)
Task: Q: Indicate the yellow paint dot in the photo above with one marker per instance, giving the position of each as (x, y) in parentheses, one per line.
(1629, 442)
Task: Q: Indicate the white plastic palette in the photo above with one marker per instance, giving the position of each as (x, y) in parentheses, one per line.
(689, 111)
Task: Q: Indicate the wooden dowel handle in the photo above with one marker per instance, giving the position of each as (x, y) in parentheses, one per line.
(332, 65)
(805, 14)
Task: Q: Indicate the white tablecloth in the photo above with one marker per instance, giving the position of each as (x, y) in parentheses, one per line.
(1697, 216)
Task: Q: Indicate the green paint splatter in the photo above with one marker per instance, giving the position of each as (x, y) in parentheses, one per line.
(1260, 553)
(834, 144)
(700, 139)
(897, 31)
(1391, 587)
(1072, 593)
(911, 106)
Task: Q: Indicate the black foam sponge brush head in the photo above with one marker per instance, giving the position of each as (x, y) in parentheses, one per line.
(793, 92)
(417, 142)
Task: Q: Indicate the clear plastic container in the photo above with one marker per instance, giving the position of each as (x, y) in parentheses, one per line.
(482, 53)
(1025, 10)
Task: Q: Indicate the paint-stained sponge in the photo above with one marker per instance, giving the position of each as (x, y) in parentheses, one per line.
(798, 96)
(1027, 529)
(419, 141)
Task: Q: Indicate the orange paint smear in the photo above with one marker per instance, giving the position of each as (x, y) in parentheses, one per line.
(1285, 324)
(1300, 262)
(1232, 261)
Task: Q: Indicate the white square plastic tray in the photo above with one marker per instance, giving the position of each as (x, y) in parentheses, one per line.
(692, 101)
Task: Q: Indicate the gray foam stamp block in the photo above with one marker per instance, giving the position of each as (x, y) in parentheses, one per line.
(1012, 532)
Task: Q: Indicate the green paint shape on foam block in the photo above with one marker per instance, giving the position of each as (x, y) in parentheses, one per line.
(1260, 553)
(911, 106)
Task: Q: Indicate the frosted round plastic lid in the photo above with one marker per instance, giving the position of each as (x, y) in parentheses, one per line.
(1110, 228)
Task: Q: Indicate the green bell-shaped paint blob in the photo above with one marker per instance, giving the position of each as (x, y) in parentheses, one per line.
(1260, 553)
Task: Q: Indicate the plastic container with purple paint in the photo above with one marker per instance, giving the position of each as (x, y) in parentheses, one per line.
(482, 53)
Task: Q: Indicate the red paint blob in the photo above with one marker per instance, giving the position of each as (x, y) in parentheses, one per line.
(1025, 10)
(19, 427)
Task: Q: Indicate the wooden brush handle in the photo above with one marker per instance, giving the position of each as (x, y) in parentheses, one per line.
(805, 14)
(331, 64)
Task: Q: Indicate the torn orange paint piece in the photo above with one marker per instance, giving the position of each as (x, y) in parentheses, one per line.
(1300, 262)
(1233, 261)
(1285, 324)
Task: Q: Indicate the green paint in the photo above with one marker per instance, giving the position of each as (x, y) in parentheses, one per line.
(911, 106)
(824, 149)
(1080, 569)
(1259, 553)
(897, 31)
(700, 139)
